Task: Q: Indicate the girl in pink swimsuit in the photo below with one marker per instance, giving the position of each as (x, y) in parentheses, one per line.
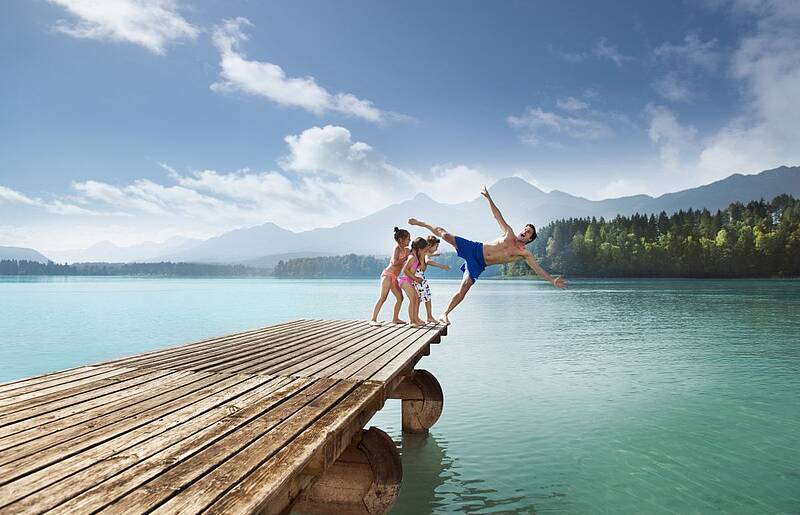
(409, 279)
(389, 277)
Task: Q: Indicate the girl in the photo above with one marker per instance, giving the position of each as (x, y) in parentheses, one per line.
(409, 278)
(389, 277)
(423, 289)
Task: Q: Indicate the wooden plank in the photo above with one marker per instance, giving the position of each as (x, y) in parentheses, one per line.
(74, 395)
(103, 493)
(269, 350)
(32, 391)
(44, 378)
(386, 371)
(334, 364)
(310, 366)
(53, 448)
(350, 367)
(60, 419)
(251, 452)
(275, 364)
(81, 472)
(178, 476)
(259, 490)
(183, 355)
(206, 343)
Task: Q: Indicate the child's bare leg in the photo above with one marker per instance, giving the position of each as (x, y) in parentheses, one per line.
(385, 284)
(413, 303)
(438, 231)
(429, 310)
(398, 303)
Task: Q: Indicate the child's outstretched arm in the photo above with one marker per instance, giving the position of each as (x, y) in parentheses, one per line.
(431, 262)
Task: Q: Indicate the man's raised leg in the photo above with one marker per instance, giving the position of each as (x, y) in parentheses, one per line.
(438, 231)
(466, 284)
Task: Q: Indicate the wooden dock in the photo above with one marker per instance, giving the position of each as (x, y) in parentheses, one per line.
(262, 421)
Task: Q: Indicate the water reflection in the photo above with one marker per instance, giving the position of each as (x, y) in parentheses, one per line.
(433, 482)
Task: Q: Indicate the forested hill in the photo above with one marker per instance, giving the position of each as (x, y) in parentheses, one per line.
(757, 239)
(353, 265)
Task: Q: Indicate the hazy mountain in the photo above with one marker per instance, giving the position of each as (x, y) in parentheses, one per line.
(108, 252)
(520, 201)
(22, 254)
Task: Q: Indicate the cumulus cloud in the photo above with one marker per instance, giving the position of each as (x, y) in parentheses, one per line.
(326, 177)
(767, 62)
(153, 24)
(270, 81)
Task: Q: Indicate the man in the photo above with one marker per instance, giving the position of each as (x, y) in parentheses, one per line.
(477, 256)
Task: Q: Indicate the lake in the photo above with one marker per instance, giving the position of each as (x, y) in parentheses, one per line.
(615, 396)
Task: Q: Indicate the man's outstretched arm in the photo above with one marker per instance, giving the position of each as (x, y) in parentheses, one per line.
(557, 281)
(496, 212)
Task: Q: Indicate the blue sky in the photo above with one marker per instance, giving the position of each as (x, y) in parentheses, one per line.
(141, 120)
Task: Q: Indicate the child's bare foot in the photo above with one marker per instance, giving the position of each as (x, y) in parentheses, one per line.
(444, 320)
(417, 324)
(432, 320)
(374, 323)
(414, 221)
(398, 321)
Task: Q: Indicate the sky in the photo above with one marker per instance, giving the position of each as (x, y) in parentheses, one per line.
(131, 121)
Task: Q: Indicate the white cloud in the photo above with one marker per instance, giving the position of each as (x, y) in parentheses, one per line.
(539, 126)
(681, 65)
(673, 88)
(326, 178)
(270, 81)
(153, 24)
(694, 52)
(571, 104)
(12, 196)
(673, 139)
(603, 50)
(767, 62)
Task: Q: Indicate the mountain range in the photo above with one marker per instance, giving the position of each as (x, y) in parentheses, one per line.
(22, 254)
(520, 201)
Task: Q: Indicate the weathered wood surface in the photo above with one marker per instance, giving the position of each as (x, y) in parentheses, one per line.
(235, 424)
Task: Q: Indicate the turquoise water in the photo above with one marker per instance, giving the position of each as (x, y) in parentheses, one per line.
(612, 397)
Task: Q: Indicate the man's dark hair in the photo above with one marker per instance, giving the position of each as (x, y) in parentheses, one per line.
(533, 236)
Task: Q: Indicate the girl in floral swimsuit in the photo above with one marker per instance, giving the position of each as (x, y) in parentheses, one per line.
(423, 290)
(389, 277)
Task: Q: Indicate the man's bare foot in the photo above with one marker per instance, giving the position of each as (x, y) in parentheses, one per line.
(414, 221)
(433, 321)
(418, 324)
(444, 320)
(398, 321)
(374, 323)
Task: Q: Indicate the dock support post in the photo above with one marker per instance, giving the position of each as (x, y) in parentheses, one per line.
(365, 480)
(423, 401)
